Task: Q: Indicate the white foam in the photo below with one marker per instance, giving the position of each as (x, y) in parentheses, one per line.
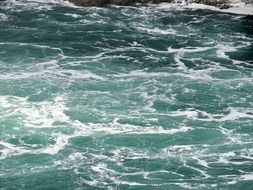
(221, 53)
(189, 91)
(116, 128)
(37, 115)
(106, 174)
(233, 114)
(168, 6)
(40, 114)
(230, 47)
(37, 4)
(75, 74)
(61, 142)
(11, 149)
(50, 70)
(3, 17)
(92, 129)
(99, 167)
(45, 114)
(73, 15)
(142, 73)
(188, 49)
(180, 64)
(20, 75)
(237, 113)
(16, 44)
(247, 177)
(201, 161)
(238, 7)
(4, 103)
(191, 114)
(157, 30)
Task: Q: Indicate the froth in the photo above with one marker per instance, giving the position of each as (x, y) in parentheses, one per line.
(233, 114)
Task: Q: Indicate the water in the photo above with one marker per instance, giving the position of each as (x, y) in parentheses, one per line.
(150, 97)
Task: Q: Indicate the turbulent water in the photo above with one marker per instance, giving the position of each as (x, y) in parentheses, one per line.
(150, 97)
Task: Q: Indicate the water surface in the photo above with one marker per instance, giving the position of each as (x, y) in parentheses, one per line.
(150, 97)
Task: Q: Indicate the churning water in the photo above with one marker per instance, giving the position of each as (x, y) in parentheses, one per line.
(149, 97)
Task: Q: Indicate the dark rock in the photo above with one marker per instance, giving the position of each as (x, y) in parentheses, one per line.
(122, 2)
(248, 1)
(90, 2)
(223, 4)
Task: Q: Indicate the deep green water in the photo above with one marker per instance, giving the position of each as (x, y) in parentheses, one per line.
(140, 98)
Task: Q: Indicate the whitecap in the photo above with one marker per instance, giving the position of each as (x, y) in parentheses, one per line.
(73, 15)
(61, 142)
(247, 177)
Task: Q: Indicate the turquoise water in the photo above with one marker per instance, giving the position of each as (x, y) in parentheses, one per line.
(151, 97)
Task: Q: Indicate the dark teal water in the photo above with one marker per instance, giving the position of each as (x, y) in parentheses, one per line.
(151, 97)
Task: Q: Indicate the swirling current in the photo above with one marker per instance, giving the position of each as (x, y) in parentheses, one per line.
(144, 97)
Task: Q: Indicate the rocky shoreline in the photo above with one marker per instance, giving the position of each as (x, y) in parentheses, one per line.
(114, 2)
(240, 7)
(217, 3)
